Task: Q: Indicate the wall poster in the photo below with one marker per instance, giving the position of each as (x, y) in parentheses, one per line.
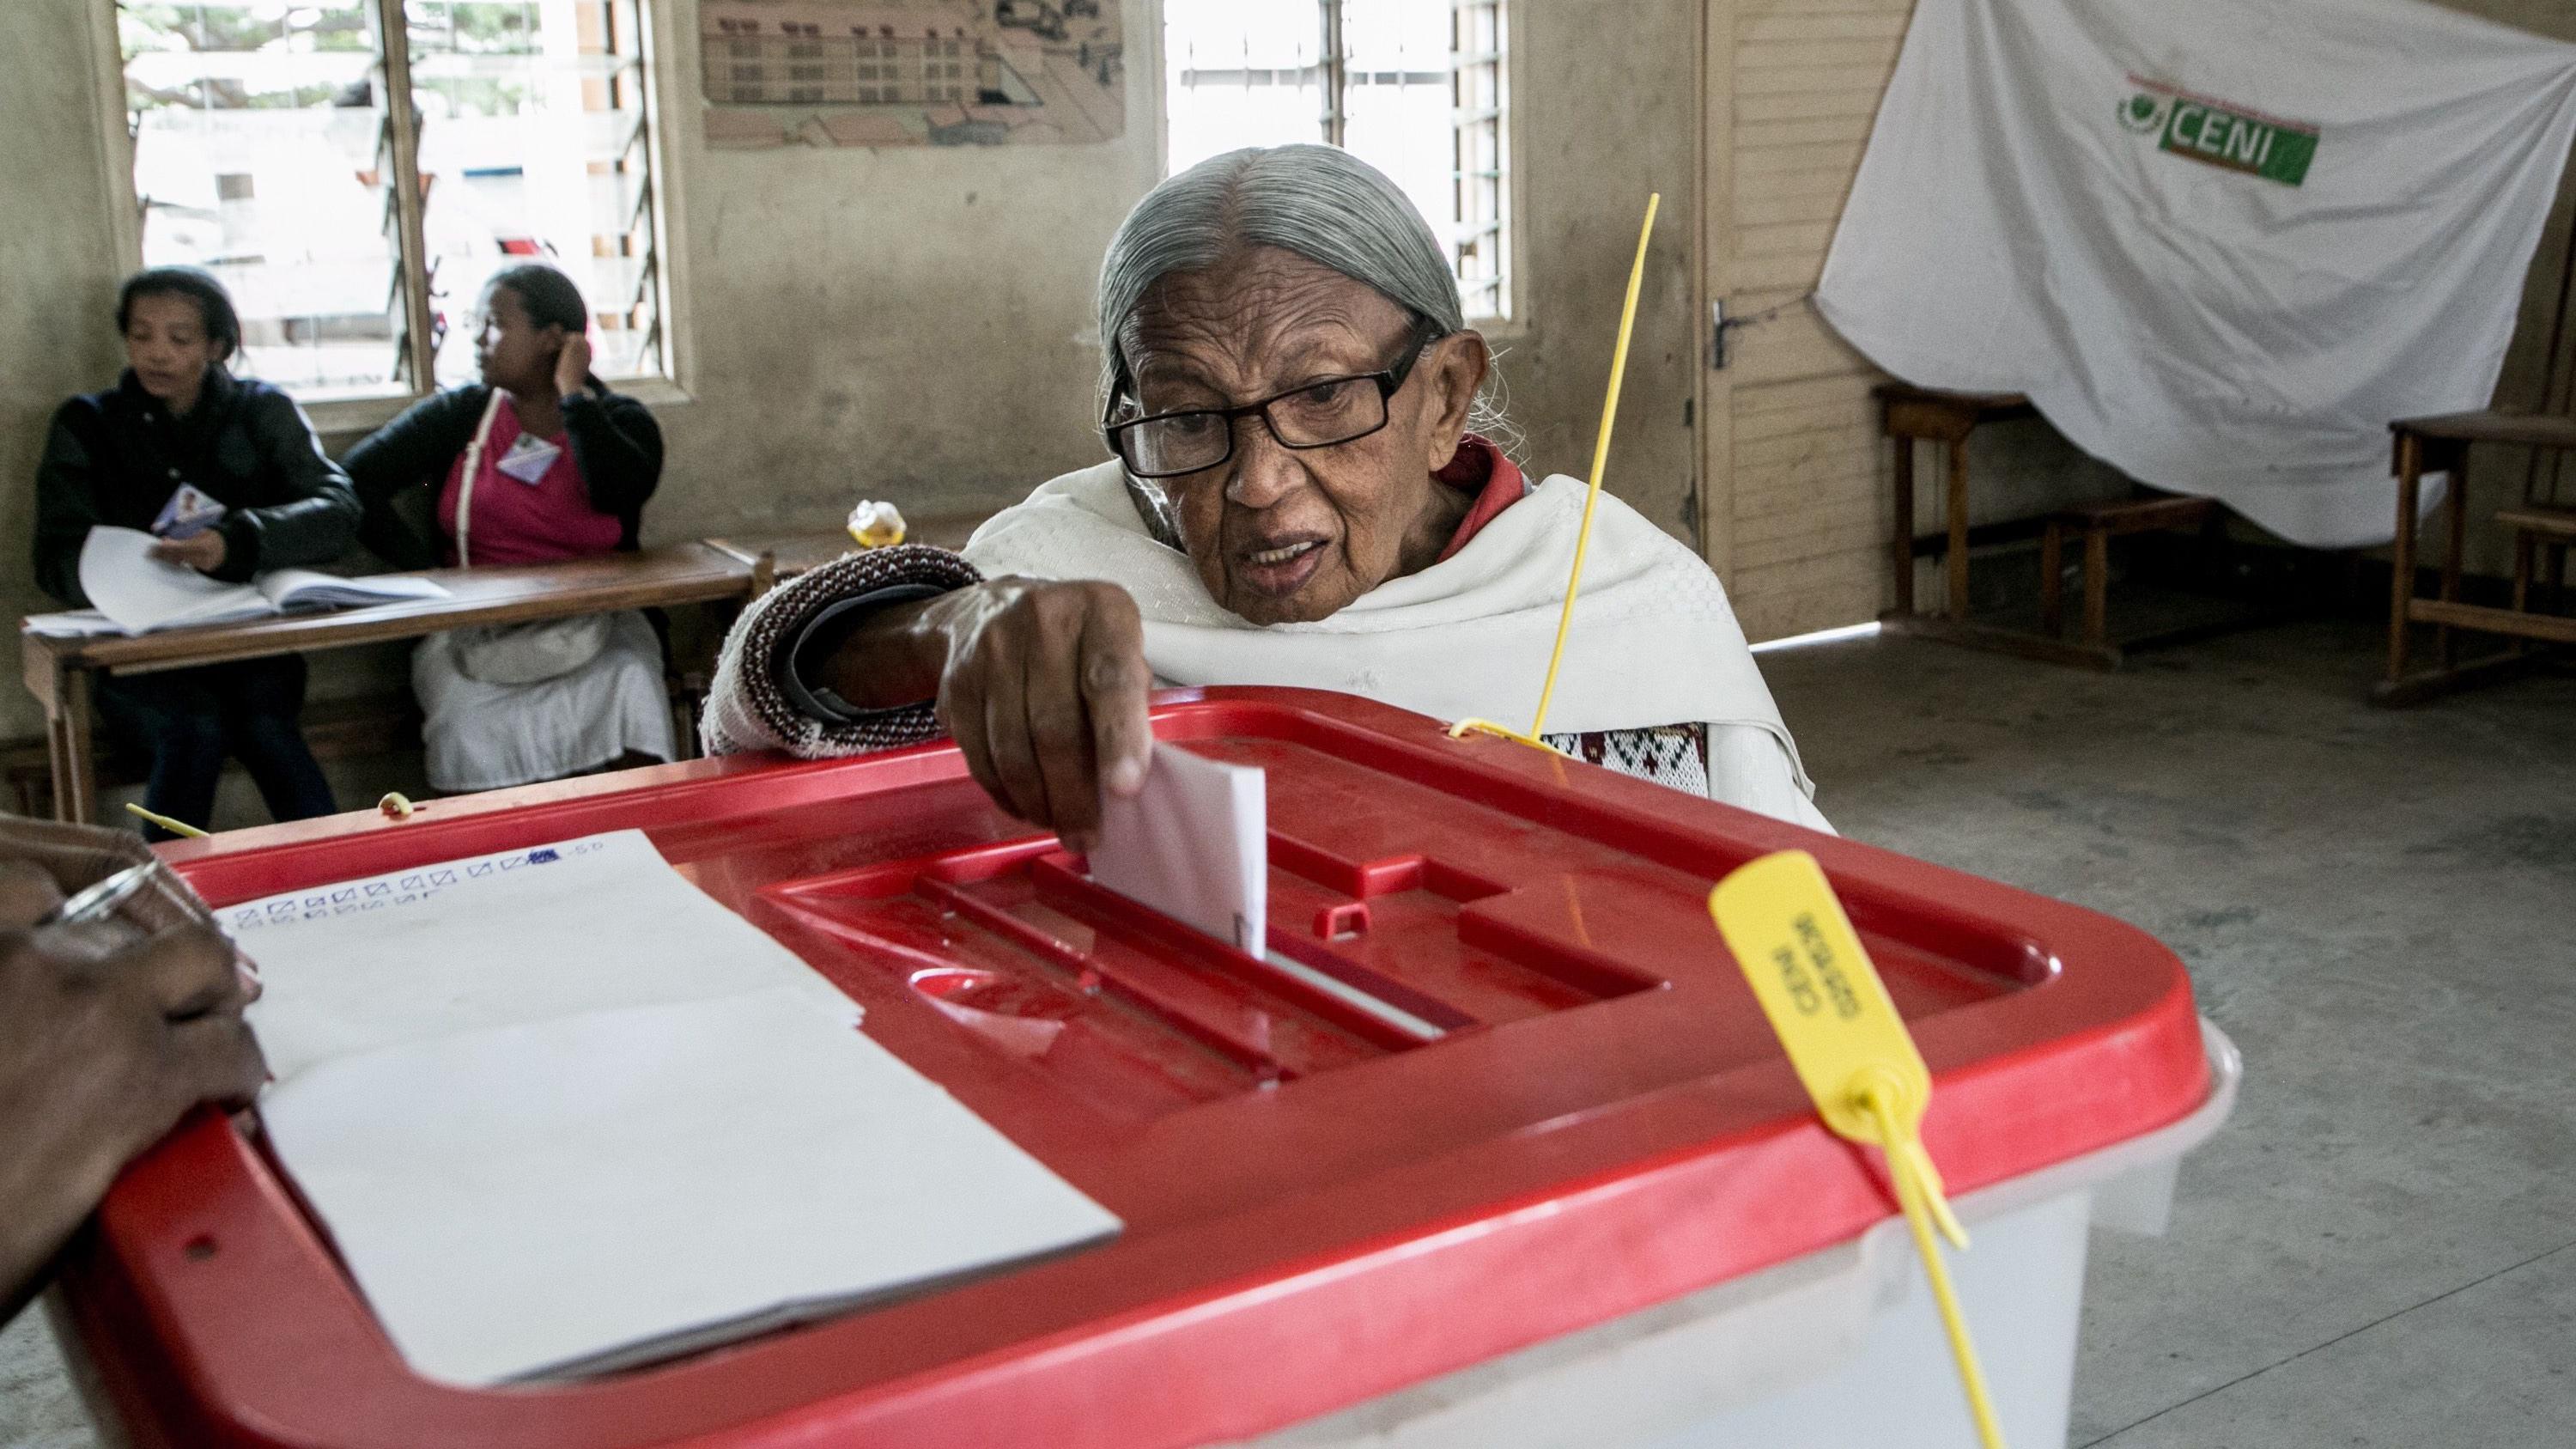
(912, 72)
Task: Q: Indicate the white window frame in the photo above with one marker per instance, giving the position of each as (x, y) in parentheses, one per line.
(346, 416)
(1512, 322)
(1507, 223)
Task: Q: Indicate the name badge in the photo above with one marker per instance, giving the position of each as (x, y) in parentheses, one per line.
(188, 513)
(529, 458)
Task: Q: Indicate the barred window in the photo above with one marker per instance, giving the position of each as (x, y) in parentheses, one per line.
(1418, 88)
(356, 235)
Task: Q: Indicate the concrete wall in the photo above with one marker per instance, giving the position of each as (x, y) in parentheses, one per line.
(912, 323)
(1606, 110)
(59, 266)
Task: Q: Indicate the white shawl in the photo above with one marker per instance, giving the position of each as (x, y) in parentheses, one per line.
(1654, 641)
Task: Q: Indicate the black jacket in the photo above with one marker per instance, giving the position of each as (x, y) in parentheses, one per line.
(400, 468)
(115, 457)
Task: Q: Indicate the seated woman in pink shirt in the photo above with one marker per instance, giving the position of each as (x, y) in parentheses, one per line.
(537, 462)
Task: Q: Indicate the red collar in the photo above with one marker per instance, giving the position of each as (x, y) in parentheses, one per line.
(1496, 480)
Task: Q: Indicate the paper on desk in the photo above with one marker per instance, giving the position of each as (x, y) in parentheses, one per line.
(141, 592)
(1193, 844)
(561, 1111)
(71, 624)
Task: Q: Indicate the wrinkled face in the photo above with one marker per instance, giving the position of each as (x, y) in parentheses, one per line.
(167, 346)
(1282, 535)
(512, 351)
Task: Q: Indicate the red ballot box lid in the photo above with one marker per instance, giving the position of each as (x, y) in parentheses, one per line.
(1508, 1085)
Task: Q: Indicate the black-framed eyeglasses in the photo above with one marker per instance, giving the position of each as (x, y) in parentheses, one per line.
(1318, 414)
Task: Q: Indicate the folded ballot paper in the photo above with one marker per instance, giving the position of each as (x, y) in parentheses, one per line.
(140, 594)
(1194, 843)
(562, 1112)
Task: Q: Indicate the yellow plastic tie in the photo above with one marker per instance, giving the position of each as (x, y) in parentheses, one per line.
(1472, 725)
(1591, 497)
(1833, 1015)
(175, 827)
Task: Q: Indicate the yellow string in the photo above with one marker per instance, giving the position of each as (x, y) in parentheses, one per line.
(1592, 496)
(1474, 724)
(175, 827)
(1919, 1218)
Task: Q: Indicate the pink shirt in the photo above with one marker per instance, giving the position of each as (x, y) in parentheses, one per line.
(516, 522)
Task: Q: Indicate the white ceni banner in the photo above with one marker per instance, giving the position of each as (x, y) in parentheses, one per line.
(2222, 244)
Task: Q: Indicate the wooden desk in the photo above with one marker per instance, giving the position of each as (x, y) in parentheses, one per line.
(2439, 445)
(1919, 415)
(1914, 415)
(58, 670)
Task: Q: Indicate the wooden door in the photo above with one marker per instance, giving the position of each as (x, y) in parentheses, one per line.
(1793, 472)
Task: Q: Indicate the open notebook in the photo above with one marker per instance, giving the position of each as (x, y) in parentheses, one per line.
(139, 593)
(562, 1112)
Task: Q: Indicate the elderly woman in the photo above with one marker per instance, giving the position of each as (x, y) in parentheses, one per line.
(1295, 500)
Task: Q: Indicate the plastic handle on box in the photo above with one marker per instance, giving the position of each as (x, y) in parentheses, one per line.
(1852, 1052)
(1591, 496)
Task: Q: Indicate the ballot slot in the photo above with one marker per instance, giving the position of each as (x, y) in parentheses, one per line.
(1017, 946)
(1132, 1012)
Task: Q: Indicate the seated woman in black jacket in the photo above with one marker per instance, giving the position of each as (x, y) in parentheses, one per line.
(180, 418)
(538, 462)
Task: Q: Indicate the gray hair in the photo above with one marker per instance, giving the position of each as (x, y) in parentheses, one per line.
(1321, 202)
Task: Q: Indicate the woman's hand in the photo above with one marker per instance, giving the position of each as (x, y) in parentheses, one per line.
(109, 1030)
(105, 1041)
(572, 365)
(1042, 684)
(203, 552)
(1045, 691)
(42, 861)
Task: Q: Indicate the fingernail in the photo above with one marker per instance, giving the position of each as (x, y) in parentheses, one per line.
(1127, 776)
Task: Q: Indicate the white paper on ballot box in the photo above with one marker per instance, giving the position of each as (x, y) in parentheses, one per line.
(560, 1111)
(1194, 843)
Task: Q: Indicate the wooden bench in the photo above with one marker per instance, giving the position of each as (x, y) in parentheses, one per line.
(360, 728)
(2099, 523)
(2536, 527)
(2443, 444)
(336, 729)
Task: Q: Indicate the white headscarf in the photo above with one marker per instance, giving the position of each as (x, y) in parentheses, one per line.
(1654, 641)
